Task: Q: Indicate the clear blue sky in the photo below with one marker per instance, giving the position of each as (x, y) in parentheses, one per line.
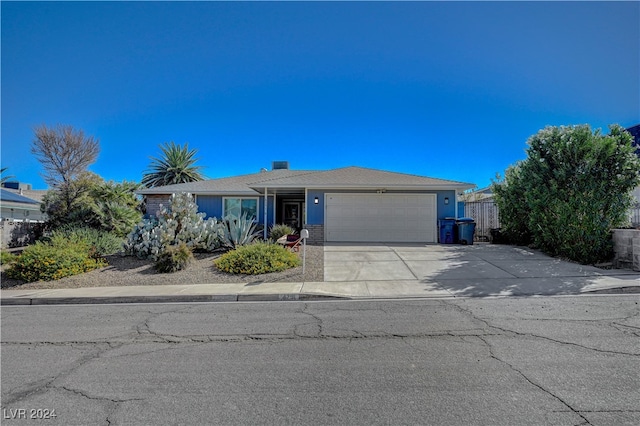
(442, 89)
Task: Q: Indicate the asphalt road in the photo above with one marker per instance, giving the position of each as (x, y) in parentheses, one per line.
(516, 361)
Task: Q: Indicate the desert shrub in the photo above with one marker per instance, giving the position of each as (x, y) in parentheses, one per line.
(174, 258)
(7, 257)
(179, 222)
(89, 201)
(101, 243)
(239, 231)
(257, 258)
(52, 261)
(573, 188)
(280, 230)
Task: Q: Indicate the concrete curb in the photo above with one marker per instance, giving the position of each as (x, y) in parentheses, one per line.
(27, 301)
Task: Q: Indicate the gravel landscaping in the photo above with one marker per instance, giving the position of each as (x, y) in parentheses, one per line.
(129, 270)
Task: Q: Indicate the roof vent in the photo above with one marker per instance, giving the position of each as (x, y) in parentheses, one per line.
(280, 165)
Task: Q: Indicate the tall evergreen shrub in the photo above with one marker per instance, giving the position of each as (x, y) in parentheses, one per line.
(572, 189)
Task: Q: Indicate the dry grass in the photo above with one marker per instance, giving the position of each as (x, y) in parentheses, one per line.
(128, 270)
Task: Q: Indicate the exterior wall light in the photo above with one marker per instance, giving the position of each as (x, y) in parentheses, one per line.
(315, 200)
(446, 200)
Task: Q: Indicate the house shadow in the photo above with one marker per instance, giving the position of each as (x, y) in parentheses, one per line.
(488, 270)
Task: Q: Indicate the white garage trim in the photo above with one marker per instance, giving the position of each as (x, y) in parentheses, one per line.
(385, 217)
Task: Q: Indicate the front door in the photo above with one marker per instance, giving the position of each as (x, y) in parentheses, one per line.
(292, 213)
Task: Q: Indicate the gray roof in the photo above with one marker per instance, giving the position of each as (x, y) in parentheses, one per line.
(15, 198)
(343, 178)
(34, 194)
(236, 185)
(360, 177)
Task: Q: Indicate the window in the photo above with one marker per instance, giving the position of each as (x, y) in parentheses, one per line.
(239, 206)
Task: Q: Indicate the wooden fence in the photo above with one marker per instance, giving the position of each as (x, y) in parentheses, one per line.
(486, 216)
(634, 216)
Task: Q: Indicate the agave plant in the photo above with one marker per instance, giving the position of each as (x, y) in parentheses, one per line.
(239, 231)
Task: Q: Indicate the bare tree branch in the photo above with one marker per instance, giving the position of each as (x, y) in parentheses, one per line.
(63, 152)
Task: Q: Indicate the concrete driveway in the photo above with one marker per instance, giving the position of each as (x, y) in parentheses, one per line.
(454, 270)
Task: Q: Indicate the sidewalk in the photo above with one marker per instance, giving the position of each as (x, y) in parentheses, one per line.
(399, 289)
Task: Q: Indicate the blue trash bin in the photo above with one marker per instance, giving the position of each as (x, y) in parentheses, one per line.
(466, 228)
(446, 228)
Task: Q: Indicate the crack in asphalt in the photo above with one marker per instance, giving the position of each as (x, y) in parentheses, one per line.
(42, 386)
(112, 404)
(96, 350)
(96, 398)
(562, 342)
(142, 332)
(529, 380)
(626, 328)
(537, 336)
(266, 337)
(317, 322)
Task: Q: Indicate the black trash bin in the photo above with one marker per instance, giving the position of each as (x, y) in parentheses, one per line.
(466, 229)
(447, 230)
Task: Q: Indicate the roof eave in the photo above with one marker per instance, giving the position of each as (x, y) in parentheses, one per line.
(431, 187)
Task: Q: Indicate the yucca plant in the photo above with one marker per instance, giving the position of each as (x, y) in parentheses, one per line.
(239, 231)
(177, 165)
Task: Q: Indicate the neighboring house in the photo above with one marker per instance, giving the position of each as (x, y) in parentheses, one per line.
(483, 194)
(351, 204)
(19, 207)
(20, 217)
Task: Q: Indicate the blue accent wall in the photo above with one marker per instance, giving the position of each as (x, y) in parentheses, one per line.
(461, 209)
(446, 210)
(315, 212)
(211, 205)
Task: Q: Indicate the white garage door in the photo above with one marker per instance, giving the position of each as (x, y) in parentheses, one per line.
(380, 218)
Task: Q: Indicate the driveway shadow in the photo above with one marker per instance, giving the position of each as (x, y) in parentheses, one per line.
(483, 270)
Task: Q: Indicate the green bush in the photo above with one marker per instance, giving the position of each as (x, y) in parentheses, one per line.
(6, 257)
(46, 261)
(513, 208)
(280, 230)
(101, 243)
(573, 188)
(174, 258)
(257, 258)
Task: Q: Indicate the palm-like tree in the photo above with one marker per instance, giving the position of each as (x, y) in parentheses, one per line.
(3, 179)
(177, 165)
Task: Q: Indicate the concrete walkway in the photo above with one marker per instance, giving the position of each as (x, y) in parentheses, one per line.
(359, 271)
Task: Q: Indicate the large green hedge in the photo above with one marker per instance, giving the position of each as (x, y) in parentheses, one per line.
(572, 189)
